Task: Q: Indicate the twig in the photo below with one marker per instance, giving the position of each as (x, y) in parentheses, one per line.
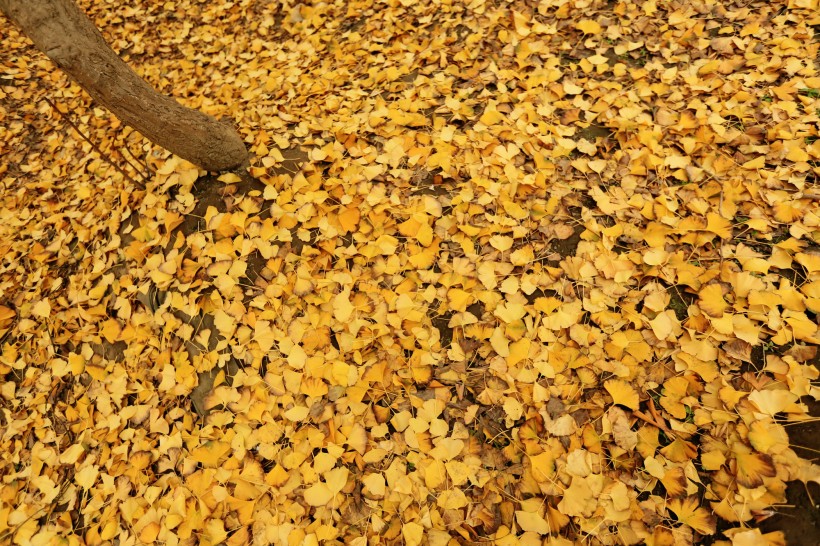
(641, 415)
(654, 411)
(654, 420)
(142, 173)
(96, 148)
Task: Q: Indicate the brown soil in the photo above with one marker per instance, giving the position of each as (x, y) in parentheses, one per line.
(800, 518)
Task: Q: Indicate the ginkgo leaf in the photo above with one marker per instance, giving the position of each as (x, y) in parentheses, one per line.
(588, 26)
(772, 402)
(622, 432)
(342, 307)
(323, 492)
(809, 260)
(750, 468)
(718, 225)
(41, 309)
(711, 300)
(264, 335)
(689, 512)
(319, 494)
(713, 460)
(336, 478)
(459, 299)
(111, 330)
(543, 466)
(297, 357)
(349, 218)
(532, 522)
(87, 476)
(622, 393)
(665, 326)
(374, 485)
(6, 313)
(579, 463)
(674, 390)
(578, 499)
(679, 451)
(501, 242)
(510, 312)
(768, 437)
(413, 533)
(297, 413)
(754, 537)
(674, 481)
(452, 499)
(522, 256)
(491, 116)
(211, 453)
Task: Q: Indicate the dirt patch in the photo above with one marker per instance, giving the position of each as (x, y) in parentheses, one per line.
(567, 247)
(799, 518)
(593, 132)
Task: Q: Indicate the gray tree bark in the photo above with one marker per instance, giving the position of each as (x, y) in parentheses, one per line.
(61, 30)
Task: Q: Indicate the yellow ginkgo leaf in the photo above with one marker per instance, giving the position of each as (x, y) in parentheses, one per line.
(674, 389)
(210, 453)
(579, 499)
(6, 313)
(542, 466)
(622, 393)
(297, 357)
(510, 312)
(264, 335)
(711, 300)
(374, 485)
(491, 116)
(532, 522)
(718, 225)
(665, 326)
(773, 401)
(556, 519)
(811, 261)
(349, 217)
(41, 309)
(712, 460)
(522, 256)
(754, 537)
(337, 478)
(111, 330)
(768, 437)
(318, 494)
(412, 533)
(749, 467)
(459, 299)
(688, 512)
(321, 493)
(342, 307)
(680, 451)
(522, 23)
(588, 26)
(452, 499)
(674, 480)
(501, 242)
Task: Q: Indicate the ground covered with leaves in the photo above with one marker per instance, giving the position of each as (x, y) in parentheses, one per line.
(499, 273)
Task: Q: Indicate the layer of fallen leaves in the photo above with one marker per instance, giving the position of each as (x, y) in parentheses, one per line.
(549, 274)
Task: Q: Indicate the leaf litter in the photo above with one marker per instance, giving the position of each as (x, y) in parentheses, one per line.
(506, 273)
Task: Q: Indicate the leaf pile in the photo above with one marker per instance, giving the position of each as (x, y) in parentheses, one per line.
(547, 273)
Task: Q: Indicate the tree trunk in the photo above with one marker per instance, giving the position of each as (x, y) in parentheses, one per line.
(61, 30)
